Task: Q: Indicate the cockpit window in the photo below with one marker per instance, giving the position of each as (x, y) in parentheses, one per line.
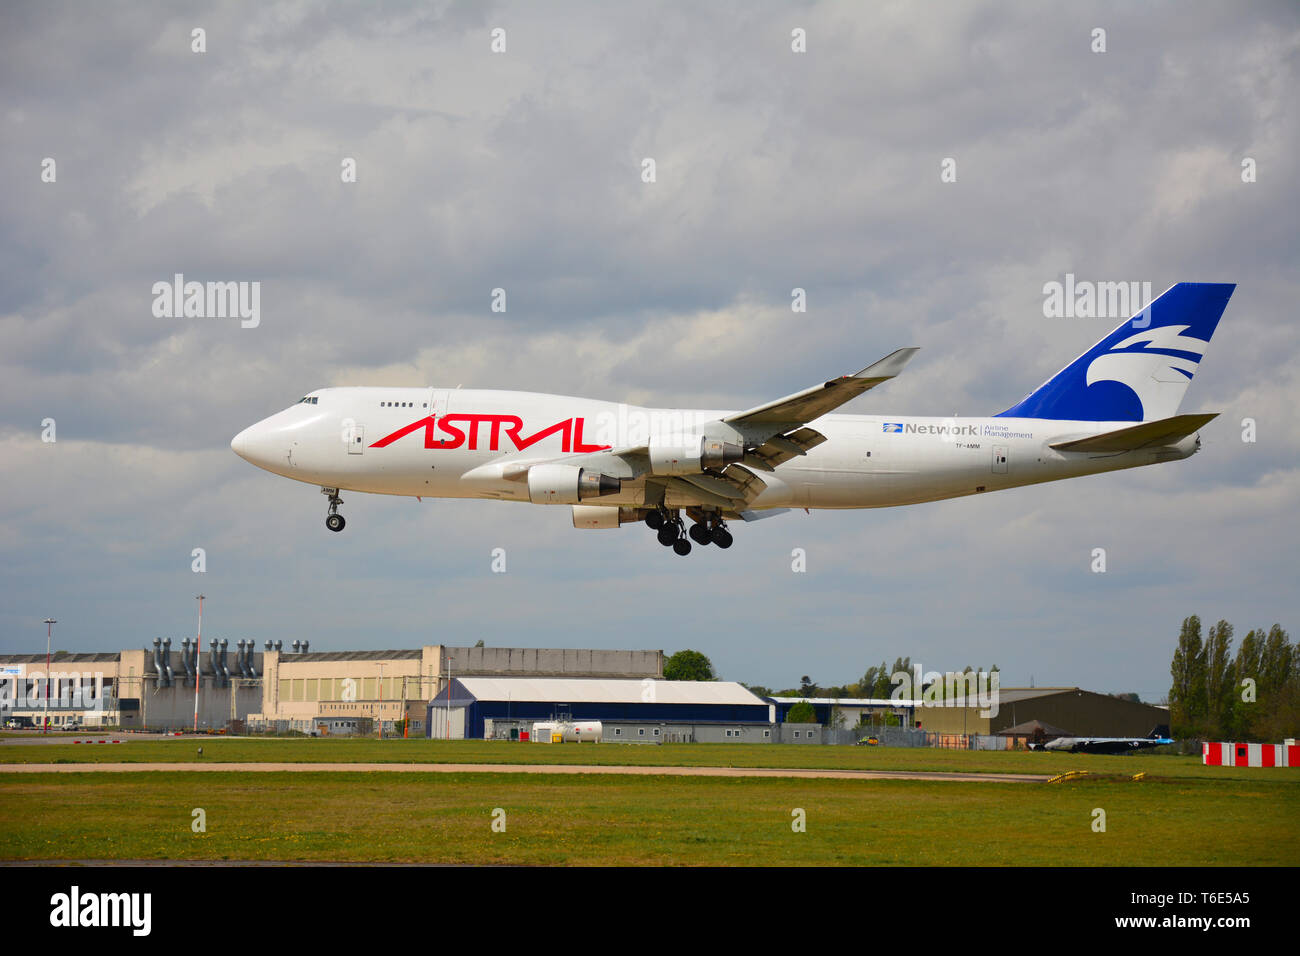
(309, 399)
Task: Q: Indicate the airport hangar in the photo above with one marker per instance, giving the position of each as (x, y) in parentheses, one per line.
(493, 691)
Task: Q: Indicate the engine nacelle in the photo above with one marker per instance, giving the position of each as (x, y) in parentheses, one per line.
(596, 517)
(691, 455)
(567, 484)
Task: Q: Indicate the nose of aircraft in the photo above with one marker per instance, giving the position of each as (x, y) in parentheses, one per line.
(273, 443)
(239, 444)
(257, 445)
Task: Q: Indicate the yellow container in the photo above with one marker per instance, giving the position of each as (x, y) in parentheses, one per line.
(557, 738)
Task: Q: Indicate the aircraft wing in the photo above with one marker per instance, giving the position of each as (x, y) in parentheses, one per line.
(772, 433)
(812, 403)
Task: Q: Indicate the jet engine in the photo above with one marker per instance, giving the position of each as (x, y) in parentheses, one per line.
(691, 455)
(567, 484)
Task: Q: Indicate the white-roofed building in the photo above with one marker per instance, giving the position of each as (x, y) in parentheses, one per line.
(635, 710)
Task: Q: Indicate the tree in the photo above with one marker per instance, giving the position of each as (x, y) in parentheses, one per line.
(1246, 667)
(806, 686)
(801, 713)
(1187, 695)
(1279, 687)
(1219, 680)
(688, 665)
(882, 687)
(1277, 664)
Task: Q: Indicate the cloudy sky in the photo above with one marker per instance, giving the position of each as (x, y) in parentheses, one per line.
(522, 170)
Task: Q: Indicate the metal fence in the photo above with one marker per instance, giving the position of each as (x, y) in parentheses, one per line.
(910, 737)
(890, 736)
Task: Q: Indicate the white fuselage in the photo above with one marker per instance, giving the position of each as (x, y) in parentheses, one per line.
(384, 441)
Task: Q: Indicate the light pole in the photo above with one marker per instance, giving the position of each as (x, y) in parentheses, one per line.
(381, 700)
(198, 663)
(49, 623)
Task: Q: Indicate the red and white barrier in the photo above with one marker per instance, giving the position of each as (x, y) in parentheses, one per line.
(97, 741)
(1250, 755)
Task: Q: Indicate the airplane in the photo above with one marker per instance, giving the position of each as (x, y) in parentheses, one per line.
(1102, 745)
(1113, 407)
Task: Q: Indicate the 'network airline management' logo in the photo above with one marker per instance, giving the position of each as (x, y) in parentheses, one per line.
(912, 428)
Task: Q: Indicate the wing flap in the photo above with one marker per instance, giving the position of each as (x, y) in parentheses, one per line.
(781, 448)
(715, 486)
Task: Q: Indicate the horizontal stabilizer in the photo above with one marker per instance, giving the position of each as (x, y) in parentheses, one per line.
(1167, 431)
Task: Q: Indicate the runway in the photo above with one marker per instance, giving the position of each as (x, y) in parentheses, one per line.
(640, 771)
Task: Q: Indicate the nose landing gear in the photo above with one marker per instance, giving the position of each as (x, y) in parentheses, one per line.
(334, 521)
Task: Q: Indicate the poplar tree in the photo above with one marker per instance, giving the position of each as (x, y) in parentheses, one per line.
(1219, 682)
(1187, 703)
(1246, 667)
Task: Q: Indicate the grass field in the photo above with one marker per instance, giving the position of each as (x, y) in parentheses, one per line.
(310, 750)
(446, 818)
(1181, 814)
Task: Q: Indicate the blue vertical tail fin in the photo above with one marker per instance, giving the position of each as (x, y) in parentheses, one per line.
(1140, 372)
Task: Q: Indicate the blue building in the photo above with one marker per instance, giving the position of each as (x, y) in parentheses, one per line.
(478, 707)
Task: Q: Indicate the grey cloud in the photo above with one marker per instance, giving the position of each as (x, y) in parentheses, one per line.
(522, 171)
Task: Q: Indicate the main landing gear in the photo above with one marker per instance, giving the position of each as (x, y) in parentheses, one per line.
(671, 530)
(334, 521)
(710, 529)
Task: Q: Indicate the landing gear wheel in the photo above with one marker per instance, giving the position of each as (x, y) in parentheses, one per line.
(334, 521)
(654, 520)
(682, 547)
(700, 533)
(667, 535)
(722, 538)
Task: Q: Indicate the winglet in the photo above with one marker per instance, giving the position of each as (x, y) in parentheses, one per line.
(890, 365)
